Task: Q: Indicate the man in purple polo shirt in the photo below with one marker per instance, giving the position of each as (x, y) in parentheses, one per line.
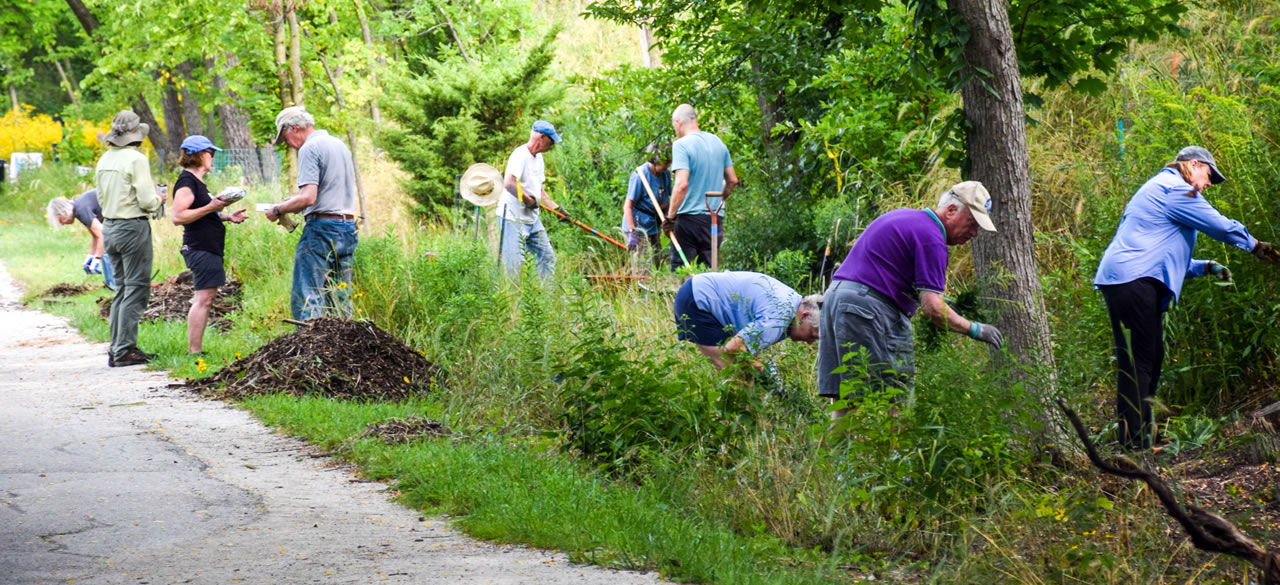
(898, 264)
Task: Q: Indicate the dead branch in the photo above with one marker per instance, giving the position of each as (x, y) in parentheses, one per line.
(1208, 531)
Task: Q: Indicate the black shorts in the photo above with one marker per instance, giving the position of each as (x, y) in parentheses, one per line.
(206, 268)
(695, 324)
(694, 234)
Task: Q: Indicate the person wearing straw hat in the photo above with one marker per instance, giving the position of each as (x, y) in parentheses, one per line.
(897, 265)
(327, 198)
(203, 233)
(128, 197)
(1142, 271)
(518, 205)
(87, 211)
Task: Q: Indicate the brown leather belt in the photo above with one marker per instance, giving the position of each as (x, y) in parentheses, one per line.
(330, 216)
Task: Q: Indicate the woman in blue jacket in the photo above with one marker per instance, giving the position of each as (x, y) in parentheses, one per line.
(1143, 268)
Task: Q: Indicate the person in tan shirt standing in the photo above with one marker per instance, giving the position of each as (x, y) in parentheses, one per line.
(128, 198)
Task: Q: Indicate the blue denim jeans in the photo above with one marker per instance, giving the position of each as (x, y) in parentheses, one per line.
(518, 237)
(322, 267)
(107, 277)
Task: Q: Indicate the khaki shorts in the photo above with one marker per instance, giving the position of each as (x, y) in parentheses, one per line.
(874, 335)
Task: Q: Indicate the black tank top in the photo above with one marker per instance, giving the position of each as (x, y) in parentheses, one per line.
(207, 233)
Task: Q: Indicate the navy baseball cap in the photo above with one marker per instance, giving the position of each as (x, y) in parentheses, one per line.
(545, 127)
(197, 143)
(1200, 154)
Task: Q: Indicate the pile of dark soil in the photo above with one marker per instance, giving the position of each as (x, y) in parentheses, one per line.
(171, 300)
(330, 357)
(403, 430)
(65, 289)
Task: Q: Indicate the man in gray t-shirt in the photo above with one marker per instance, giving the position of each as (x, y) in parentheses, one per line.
(326, 197)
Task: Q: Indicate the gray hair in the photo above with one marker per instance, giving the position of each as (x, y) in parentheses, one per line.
(948, 199)
(813, 304)
(685, 113)
(296, 119)
(59, 207)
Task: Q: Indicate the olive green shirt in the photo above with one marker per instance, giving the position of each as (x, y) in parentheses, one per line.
(125, 189)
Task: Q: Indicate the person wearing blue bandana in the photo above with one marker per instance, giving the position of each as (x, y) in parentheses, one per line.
(1142, 272)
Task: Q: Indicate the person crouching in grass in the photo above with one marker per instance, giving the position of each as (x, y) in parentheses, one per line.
(203, 233)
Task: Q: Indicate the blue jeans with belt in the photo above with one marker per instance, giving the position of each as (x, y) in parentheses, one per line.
(322, 266)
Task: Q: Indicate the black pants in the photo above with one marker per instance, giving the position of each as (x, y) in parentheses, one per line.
(1137, 322)
(694, 234)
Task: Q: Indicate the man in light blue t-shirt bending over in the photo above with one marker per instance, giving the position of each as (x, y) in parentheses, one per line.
(700, 163)
(727, 312)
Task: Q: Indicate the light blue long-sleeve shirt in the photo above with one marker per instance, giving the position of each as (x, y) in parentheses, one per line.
(1158, 233)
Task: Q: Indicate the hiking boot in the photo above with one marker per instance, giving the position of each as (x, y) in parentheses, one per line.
(131, 357)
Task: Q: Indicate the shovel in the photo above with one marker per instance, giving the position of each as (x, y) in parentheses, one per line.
(715, 228)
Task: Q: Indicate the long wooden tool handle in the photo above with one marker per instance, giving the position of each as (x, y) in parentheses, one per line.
(661, 216)
(584, 226)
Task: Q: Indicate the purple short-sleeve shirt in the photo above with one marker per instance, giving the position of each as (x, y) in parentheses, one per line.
(900, 254)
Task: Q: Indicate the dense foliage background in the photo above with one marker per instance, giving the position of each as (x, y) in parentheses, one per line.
(834, 113)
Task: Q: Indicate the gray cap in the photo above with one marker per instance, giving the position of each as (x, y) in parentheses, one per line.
(1200, 154)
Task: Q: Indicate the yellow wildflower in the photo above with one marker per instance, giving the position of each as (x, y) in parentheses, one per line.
(342, 285)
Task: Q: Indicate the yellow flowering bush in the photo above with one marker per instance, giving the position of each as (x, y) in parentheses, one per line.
(21, 130)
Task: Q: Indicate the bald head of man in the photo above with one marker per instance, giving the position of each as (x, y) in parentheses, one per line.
(684, 120)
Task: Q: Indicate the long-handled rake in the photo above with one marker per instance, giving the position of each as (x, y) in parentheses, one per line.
(661, 216)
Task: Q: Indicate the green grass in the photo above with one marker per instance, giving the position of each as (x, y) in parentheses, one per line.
(517, 490)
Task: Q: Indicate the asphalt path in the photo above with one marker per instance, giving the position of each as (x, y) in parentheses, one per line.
(107, 475)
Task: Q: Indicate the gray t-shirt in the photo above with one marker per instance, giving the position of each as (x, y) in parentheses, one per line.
(86, 208)
(325, 161)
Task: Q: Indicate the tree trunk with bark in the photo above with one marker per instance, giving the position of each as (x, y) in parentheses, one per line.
(235, 127)
(13, 97)
(365, 34)
(997, 150)
(191, 116)
(295, 55)
(65, 81)
(280, 38)
(174, 128)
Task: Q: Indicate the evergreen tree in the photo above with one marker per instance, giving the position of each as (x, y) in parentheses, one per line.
(456, 114)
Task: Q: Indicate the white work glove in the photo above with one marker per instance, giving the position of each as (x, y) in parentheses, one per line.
(986, 333)
(95, 266)
(88, 264)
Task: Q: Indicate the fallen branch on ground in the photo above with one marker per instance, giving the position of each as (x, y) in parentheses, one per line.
(1209, 532)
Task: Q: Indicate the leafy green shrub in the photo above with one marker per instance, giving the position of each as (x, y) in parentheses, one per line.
(622, 406)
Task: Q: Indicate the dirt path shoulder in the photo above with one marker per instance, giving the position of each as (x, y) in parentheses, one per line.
(108, 476)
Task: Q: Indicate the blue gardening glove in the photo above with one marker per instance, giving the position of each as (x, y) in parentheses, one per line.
(88, 264)
(633, 240)
(1217, 271)
(986, 333)
(96, 265)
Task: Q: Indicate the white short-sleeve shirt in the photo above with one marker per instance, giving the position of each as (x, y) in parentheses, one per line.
(530, 170)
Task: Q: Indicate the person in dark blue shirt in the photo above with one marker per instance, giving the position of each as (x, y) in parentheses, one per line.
(639, 219)
(1143, 268)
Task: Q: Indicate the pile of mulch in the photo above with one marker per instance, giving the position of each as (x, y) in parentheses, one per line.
(66, 289)
(403, 430)
(171, 299)
(329, 357)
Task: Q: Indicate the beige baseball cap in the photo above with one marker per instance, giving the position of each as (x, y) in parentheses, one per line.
(976, 198)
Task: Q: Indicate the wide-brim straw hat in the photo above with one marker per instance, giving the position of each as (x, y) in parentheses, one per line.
(481, 185)
(126, 128)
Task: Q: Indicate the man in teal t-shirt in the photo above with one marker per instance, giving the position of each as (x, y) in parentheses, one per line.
(700, 163)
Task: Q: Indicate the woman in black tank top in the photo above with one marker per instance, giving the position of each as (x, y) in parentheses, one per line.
(203, 233)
